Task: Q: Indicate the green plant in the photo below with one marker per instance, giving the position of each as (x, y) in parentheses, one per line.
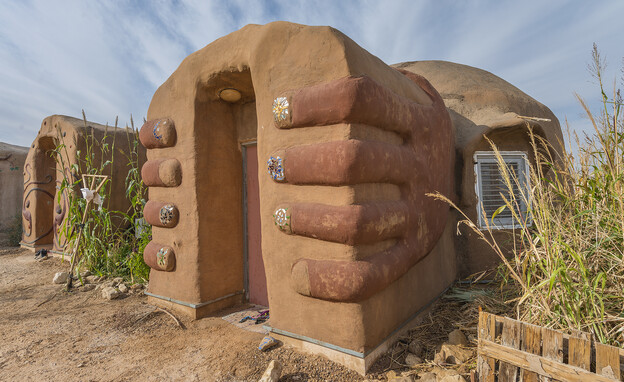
(109, 244)
(568, 265)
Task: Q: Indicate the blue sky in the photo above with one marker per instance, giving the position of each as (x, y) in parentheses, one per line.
(108, 57)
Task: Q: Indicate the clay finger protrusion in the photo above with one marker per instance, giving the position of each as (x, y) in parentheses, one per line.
(159, 257)
(162, 173)
(352, 225)
(351, 281)
(161, 214)
(158, 133)
(344, 163)
(351, 100)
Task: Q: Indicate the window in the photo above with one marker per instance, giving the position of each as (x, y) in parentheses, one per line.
(491, 187)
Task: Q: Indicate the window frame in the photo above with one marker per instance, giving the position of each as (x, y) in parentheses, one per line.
(518, 157)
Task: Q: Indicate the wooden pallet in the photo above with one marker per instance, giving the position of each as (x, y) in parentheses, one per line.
(511, 350)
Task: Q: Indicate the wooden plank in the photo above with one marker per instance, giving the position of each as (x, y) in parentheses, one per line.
(531, 343)
(608, 361)
(538, 364)
(552, 346)
(510, 337)
(579, 352)
(486, 366)
(566, 337)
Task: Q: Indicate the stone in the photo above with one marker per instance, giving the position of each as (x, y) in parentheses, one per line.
(457, 337)
(117, 280)
(60, 278)
(122, 288)
(91, 279)
(391, 374)
(267, 343)
(452, 354)
(88, 287)
(272, 373)
(427, 377)
(415, 347)
(110, 293)
(397, 377)
(453, 378)
(443, 373)
(412, 360)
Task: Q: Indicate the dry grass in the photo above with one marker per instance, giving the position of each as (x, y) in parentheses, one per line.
(568, 263)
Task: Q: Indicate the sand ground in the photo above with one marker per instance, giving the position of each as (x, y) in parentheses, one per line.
(47, 334)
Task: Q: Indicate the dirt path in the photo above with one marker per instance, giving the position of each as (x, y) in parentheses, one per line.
(47, 334)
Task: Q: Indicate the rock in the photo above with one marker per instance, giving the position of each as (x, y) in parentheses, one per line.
(88, 287)
(415, 348)
(453, 378)
(272, 373)
(267, 343)
(427, 377)
(91, 279)
(442, 373)
(397, 377)
(412, 360)
(452, 354)
(122, 288)
(136, 288)
(117, 280)
(108, 284)
(60, 278)
(110, 293)
(457, 337)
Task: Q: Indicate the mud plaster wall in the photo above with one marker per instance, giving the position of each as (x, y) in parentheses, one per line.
(44, 209)
(207, 238)
(12, 160)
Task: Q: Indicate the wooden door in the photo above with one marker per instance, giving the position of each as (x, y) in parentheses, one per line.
(256, 277)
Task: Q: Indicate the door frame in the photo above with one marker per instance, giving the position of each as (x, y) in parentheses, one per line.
(245, 213)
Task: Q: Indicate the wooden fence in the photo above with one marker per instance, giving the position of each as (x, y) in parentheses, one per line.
(511, 351)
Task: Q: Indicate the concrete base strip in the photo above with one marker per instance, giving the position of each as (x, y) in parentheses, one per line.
(191, 305)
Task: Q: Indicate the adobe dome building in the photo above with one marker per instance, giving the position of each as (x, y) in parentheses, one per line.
(289, 167)
(44, 206)
(483, 105)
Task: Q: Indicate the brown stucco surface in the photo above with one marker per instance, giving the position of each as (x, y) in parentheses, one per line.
(43, 209)
(12, 160)
(482, 104)
(395, 126)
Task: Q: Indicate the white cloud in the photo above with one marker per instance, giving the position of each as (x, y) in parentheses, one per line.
(57, 57)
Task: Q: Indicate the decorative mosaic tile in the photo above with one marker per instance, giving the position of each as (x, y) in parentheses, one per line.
(282, 219)
(167, 214)
(156, 131)
(161, 257)
(280, 109)
(275, 168)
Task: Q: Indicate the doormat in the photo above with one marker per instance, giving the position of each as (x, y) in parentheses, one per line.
(246, 316)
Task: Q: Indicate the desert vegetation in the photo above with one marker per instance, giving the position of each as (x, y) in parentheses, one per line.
(567, 267)
(111, 242)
